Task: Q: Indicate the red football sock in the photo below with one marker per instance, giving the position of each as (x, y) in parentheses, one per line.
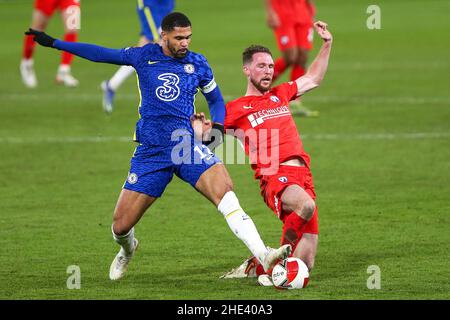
(67, 58)
(28, 47)
(279, 68)
(292, 230)
(297, 72)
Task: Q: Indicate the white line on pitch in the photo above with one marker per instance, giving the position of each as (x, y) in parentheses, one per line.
(318, 98)
(323, 136)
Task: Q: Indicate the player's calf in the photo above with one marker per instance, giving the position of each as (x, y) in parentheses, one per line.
(307, 249)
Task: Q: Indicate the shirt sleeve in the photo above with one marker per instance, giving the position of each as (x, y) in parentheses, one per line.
(229, 120)
(127, 56)
(287, 90)
(130, 55)
(207, 81)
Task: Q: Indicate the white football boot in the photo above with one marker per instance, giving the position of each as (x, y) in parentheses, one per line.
(108, 97)
(265, 280)
(63, 76)
(248, 268)
(120, 263)
(273, 255)
(27, 73)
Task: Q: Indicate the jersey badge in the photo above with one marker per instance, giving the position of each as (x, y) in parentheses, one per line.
(189, 68)
(132, 178)
(283, 179)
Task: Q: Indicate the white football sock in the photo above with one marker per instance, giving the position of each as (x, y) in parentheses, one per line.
(64, 68)
(126, 241)
(242, 225)
(120, 76)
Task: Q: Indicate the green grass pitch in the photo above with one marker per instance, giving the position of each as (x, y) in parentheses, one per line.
(380, 159)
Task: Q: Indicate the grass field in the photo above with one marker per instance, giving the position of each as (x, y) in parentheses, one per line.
(380, 159)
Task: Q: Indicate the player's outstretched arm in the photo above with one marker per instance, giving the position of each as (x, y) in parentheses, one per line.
(316, 72)
(83, 50)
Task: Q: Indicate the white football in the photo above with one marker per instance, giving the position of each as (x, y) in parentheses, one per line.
(291, 273)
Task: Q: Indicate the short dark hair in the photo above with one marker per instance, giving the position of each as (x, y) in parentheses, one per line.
(173, 20)
(247, 55)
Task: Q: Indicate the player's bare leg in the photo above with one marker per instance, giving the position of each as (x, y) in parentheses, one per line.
(130, 207)
(216, 185)
(109, 87)
(307, 249)
(71, 20)
(39, 22)
(296, 199)
(290, 56)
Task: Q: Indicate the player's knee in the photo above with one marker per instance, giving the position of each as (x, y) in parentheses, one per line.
(39, 25)
(308, 208)
(301, 58)
(120, 227)
(227, 187)
(290, 57)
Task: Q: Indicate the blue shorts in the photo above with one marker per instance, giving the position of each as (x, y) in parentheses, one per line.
(152, 169)
(151, 13)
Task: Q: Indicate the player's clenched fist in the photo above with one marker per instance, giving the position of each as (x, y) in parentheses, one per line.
(41, 37)
(321, 29)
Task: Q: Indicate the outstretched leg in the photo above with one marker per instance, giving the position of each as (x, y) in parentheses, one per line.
(304, 209)
(130, 207)
(216, 185)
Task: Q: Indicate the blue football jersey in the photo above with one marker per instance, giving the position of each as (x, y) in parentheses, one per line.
(167, 88)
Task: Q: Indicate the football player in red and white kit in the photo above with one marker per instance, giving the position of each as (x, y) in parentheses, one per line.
(263, 122)
(292, 23)
(42, 13)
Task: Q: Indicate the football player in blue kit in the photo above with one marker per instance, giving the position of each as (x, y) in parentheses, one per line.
(151, 14)
(169, 77)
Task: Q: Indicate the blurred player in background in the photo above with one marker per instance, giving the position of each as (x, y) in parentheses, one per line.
(263, 122)
(169, 78)
(292, 23)
(43, 11)
(151, 14)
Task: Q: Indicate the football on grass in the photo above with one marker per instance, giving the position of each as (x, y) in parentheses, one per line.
(291, 273)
